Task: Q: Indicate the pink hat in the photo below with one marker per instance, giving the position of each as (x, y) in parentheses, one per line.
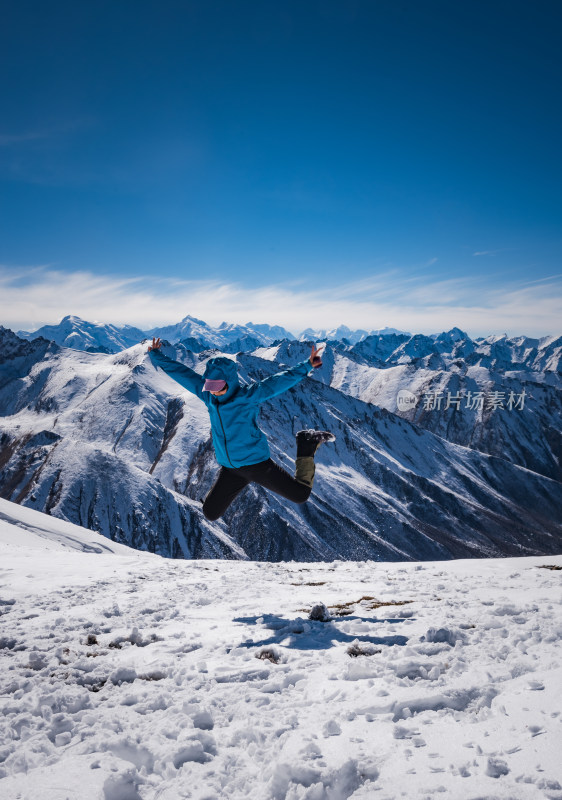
(213, 386)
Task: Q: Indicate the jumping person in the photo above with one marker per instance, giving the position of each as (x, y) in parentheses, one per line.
(240, 446)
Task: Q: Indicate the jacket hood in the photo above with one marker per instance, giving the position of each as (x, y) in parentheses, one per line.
(221, 368)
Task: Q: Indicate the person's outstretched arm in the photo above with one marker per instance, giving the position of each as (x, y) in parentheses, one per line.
(277, 384)
(185, 376)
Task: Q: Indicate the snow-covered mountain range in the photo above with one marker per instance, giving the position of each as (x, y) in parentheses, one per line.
(345, 334)
(106, 441)
(382, 347)
(126, 676)
(194, 333)
(75, 332)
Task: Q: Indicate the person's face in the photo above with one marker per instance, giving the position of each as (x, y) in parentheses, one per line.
(222, 391)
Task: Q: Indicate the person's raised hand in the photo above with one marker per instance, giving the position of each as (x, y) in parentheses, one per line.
(156, 344)
(315, 359)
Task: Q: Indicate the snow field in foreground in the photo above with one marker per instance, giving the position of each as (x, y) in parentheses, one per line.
(128, 676)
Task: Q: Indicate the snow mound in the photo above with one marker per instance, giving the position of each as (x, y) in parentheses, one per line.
(22, 527)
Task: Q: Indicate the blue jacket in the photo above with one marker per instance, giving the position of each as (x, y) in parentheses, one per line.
(237, 439)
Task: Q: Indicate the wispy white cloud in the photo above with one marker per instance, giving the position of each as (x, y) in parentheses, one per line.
(47, 131)
(493, 252)
(34, 296)
(7, 139)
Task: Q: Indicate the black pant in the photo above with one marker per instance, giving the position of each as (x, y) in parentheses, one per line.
(231, 481)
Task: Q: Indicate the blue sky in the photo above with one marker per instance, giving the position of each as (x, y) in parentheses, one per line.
(389, 162)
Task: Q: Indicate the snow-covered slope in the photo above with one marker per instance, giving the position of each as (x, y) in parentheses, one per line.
(528, 432)
(126, 676)
(108, 442)
(23, 528)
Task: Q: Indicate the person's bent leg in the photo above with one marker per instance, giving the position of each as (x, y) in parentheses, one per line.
(308, 441)
(228, 485)
(305, 469)
(271, 476)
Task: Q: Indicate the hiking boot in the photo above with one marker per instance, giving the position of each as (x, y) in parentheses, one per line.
(309, 440)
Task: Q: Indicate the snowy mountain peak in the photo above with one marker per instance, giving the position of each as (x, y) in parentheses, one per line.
(454, 334)
(189, 318)
(334, 334)
(343, 333)
(274, 332)
(388, 332)
(79, 334)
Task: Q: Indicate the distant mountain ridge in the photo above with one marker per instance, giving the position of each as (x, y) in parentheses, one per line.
(385, 346)
(72, 331)
(225, 334)
(345, 334)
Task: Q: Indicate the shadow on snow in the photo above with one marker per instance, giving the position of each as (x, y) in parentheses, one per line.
(316, 635)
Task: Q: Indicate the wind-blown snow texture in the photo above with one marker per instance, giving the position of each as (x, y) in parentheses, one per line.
(108, 442)
(126, 676)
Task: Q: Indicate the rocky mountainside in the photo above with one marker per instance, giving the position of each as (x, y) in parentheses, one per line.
(108, 442)
(502, 397)
(510, 413)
